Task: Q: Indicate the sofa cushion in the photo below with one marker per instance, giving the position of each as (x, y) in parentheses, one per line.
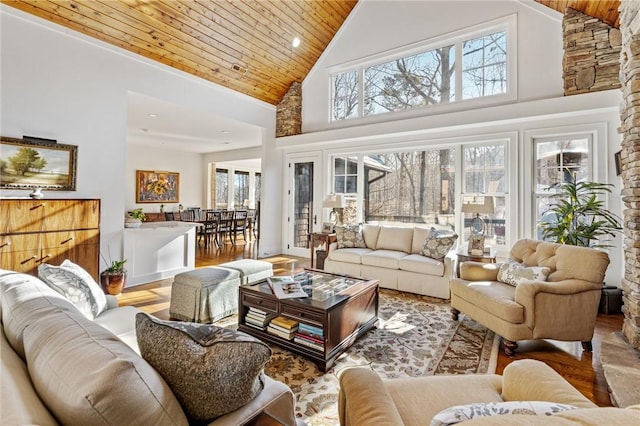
(122, 323)
(513, 273)
(491, 296)
(212, 370)
(395, 238)
(20, 403)
(74, 283)
(438, 244)
(349, 255)
(422, 265)
(86, 375)
(383, 258)
(420, 235)
(370, 234)
(26, 299)
(350, 236)
(461, 413)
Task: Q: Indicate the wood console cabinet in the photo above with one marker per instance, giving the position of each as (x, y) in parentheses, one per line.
(33, 232)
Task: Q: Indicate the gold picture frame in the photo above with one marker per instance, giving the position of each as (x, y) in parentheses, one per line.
(37, 163)
(154, 186)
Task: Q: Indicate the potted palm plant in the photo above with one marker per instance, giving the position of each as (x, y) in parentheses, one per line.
(577, 216)
(114, 278)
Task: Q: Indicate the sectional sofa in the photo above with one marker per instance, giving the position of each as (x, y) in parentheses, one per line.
(60, 367)
(392, 255)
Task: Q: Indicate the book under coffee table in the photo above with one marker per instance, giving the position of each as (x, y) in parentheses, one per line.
(317, 329)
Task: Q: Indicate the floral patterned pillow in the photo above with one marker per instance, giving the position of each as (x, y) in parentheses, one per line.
(437, 245)
(461, 413)
(514, 273)
(350, 236)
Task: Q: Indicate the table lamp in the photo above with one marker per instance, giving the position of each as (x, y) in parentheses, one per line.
(336, 203)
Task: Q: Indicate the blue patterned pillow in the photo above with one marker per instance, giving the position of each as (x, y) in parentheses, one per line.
(461, 413)
(77, 285)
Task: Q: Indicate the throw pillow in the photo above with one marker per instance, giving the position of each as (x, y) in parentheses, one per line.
(350, 236)
(514, 273)
(211, 370)
(77, 285)
(437, 244)
(460, 413)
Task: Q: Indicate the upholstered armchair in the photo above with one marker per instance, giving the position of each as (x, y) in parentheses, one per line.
(545, 291)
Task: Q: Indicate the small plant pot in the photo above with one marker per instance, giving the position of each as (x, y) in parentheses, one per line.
(113, 284)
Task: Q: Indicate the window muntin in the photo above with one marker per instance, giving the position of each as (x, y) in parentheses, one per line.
(424, 79)
(345, 174)
(484, 66)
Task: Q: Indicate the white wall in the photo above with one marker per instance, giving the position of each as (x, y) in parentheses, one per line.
(61, 85)
(376, 26)
(141, 157)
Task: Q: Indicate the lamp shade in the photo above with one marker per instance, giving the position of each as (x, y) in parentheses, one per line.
(333, 201)
(480, 205)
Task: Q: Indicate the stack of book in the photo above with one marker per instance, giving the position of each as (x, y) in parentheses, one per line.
(283, 327)
(257, 318)
(310, 336)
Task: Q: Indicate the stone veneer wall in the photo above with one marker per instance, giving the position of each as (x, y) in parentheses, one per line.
(630, 130)
(289, 112)
(591, 59)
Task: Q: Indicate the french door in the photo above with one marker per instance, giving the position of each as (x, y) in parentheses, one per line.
(304, 203)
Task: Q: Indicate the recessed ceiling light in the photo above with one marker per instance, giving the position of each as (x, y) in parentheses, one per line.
(226, 143)
(296, 42)
(224, 131)
(144, 130)
(153, 115)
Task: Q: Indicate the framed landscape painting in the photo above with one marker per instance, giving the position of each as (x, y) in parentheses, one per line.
(155, 187)
(33, 163)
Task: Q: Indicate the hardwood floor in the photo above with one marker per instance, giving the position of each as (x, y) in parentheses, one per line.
(582, 369)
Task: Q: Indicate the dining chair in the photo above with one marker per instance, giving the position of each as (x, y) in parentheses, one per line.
(251, 222)
(169, 216)
(239, 225)
(225, 226)
(187, 216)
(209, 228)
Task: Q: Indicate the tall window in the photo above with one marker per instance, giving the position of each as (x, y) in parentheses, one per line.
(426, 78)
(258, 187)
(556, 160)
(484, 177)
(240, 189)
(222, 188)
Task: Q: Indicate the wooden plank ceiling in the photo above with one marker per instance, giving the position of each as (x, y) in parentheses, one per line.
(244, 45)
(605, 10)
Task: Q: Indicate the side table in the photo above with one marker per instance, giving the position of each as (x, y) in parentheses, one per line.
(463, 256)
(317, 239)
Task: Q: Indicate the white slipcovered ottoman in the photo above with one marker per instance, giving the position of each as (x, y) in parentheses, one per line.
(250, 270)
(204, 295)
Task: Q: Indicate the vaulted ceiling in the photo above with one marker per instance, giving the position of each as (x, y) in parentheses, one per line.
(244, 45)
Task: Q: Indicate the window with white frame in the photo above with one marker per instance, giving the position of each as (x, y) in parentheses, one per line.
(345, 175)
(557, 160)
(222, 188)
(478, 62)
(484, 185)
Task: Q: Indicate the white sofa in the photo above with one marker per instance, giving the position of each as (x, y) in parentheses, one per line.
(59, 367)
(392, 257)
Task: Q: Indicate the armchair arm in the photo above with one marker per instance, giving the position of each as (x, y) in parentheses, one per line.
(531, 380)
(364, 400)
(478, 271)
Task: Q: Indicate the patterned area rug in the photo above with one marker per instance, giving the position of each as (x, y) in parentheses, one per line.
(414, 337)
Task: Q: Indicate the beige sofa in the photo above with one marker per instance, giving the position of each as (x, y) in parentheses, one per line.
(391, 256)
(59, 367)
(563, 307)
(366, 399)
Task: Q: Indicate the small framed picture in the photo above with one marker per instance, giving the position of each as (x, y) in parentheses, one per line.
(618, 160)
(327, 227)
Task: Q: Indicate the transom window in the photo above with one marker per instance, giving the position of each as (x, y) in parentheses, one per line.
(461, 68)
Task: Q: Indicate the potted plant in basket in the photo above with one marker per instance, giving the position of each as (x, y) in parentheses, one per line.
(134, 218)
(576, 216)
(114, 278)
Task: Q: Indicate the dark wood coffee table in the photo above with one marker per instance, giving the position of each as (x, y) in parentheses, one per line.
(343, 317)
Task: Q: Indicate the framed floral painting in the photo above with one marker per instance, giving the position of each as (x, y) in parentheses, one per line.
(153, 186)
